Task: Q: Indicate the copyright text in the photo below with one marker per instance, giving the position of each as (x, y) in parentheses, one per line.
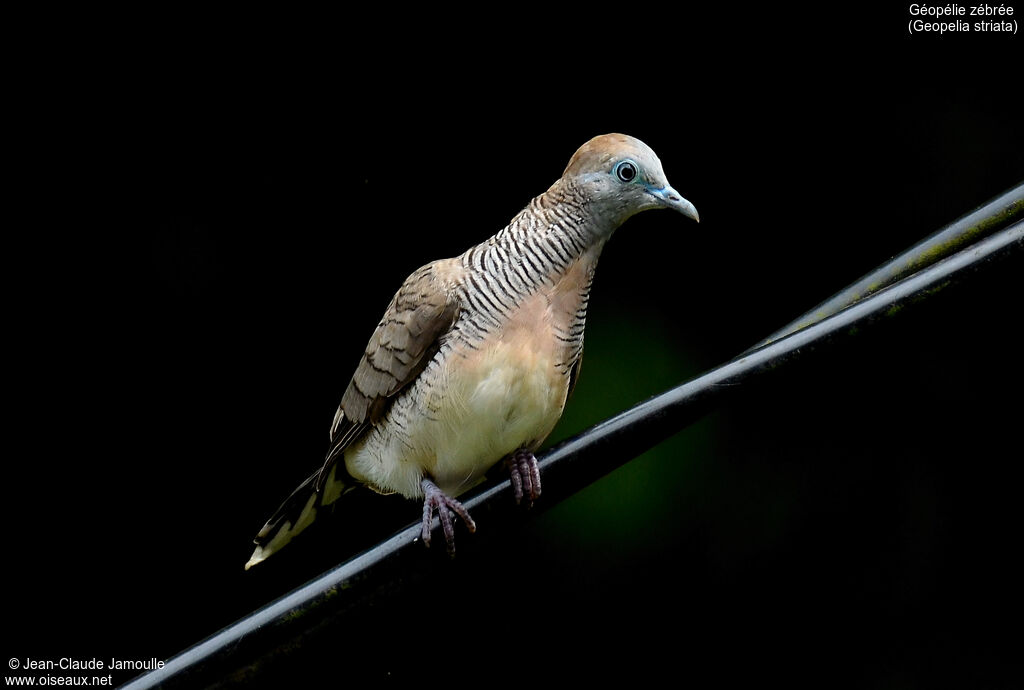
(70, 671)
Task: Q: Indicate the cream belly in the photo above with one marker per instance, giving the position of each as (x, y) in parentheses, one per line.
(478, 407)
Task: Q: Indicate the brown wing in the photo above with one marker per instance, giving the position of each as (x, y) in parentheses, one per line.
(406, 339)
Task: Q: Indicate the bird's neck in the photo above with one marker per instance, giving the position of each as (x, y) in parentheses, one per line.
(549, 250)
(553, 236)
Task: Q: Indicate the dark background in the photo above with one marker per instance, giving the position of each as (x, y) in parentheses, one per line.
(218, 213)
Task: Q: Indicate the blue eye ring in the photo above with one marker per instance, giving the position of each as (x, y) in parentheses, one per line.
(626, 170)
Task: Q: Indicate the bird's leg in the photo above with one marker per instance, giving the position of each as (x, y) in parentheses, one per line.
(525, 474)
(434, 498)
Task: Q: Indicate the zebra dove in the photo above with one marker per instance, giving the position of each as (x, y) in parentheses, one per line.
(475, 356)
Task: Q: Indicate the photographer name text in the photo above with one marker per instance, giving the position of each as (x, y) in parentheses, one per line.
(70, 664)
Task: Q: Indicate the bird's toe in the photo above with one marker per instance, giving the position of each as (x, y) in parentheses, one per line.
(435, 499)
(525, 475)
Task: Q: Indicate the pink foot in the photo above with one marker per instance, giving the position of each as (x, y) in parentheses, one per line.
(525, 473)
(445, 505)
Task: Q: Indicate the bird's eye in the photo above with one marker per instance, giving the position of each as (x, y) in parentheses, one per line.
(625, 170)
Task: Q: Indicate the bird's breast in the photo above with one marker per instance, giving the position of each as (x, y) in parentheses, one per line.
(486, 395)
(514, 377)
(504, 393)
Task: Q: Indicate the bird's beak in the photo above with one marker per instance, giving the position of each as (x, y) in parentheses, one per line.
(670, 198)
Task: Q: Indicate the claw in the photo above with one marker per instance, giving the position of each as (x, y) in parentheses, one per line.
(525, 475)
(435, 499)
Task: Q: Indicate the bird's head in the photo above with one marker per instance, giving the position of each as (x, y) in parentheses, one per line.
(621, 176)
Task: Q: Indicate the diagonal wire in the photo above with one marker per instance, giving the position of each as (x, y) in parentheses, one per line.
(993, 215)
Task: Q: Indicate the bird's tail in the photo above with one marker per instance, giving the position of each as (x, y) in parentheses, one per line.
(296, 514)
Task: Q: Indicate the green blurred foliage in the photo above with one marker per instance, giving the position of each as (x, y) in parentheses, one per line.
(629, 357)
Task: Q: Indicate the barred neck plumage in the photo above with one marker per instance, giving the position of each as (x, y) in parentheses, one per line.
(554, 237)
(540, 243)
